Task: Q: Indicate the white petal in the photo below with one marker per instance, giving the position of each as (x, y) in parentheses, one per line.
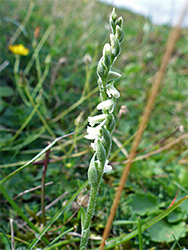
(91, 130)
(93, 133)
(96, 119)
(93, 146)
(90, 137)
(108, 105)
(107, 168)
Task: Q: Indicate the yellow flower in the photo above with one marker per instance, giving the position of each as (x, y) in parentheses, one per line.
(19, 50)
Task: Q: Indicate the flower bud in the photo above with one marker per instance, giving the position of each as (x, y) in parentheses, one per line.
(48, 59)
(119, 34)
(119, 22)
(87, 59)
(107, 55)
(92, 172)
(79, 119)
(112, 21)
(101, 152)
(113, 15)
(101, 69)
(114, 46)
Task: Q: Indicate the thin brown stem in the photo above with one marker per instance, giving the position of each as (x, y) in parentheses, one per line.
(43, 186)
(157, 151)
(31, 190)
(47, 207)
(12, 234)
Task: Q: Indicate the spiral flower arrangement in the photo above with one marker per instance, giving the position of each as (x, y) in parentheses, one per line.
(102, 126)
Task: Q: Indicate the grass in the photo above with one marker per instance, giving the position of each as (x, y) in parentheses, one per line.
(61, 104)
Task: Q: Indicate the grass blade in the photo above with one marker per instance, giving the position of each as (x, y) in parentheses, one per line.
(56, 216)
(33, 159)
(57, 238)
(19, 211)
(139, 226)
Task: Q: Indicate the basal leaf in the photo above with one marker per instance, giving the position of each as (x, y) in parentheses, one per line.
(143, 203)
(163, 231)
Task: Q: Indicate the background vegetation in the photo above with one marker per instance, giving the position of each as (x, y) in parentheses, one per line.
(65, 40)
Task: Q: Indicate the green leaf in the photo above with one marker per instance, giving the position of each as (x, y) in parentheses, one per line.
(163, 231)
(176, 216)
(143, 203)
(83, 215)
(5, 91)
(5, 240)
(2, 104)
(123, 238)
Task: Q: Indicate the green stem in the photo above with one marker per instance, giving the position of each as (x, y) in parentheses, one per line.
(37, 50)
(140, 234)
(102, 90)
(59, 237)
(16, 76)
(17, 64)
(25, 123)
(88, 218)
(41, 80)
(90, 211)
(38, 112)
(22, 26)
(38, 67)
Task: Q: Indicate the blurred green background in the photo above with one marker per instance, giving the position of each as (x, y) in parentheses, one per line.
(65, 40)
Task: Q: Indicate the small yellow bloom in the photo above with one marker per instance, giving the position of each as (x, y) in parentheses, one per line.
(19, 50)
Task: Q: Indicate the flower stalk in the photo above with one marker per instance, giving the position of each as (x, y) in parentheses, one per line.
(102, 125)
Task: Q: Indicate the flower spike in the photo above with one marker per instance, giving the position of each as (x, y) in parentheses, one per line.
(103, 125)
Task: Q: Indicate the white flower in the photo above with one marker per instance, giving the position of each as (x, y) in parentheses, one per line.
(112, 91)
(108, 105)
(96, 119)
(107, 168)
(93, 133)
